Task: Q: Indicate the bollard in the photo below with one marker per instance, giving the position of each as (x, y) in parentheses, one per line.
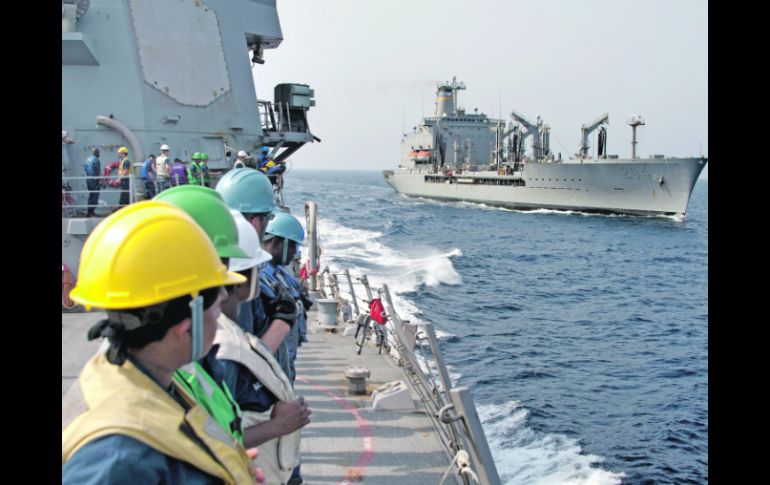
(357, 379)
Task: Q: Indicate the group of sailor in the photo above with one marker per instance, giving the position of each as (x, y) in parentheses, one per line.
(161, 173)
(95, 180)
(194, 382)
(264, 164)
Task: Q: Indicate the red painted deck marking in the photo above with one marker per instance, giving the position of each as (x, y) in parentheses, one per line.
(356, 472)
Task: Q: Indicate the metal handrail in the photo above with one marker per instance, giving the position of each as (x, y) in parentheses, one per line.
(459, 433)
(352, 292)
(276, 117)
(69, 190)
(426, 388)
(464, 431)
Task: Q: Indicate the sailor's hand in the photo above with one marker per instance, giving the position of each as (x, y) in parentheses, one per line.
(282, 306)
(258, 473)
(290, 416)
(305, 297)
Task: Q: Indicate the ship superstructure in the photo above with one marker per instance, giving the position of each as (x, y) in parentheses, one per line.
(146, 73)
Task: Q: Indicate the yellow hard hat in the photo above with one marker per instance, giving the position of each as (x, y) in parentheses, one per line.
(147, 253)
(123, 150)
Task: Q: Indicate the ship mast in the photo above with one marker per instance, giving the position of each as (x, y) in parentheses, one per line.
(634, 121)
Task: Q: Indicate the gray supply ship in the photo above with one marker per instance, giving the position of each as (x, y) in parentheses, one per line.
(456, 155)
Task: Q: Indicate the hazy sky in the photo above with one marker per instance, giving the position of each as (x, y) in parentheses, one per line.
(374, 66)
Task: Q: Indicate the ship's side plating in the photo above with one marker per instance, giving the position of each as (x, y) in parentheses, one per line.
(645, 188)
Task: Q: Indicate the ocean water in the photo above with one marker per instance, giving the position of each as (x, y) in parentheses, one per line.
(583, 338)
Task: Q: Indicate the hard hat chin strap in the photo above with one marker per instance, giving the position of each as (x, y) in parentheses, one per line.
(196, 308)
(253, 284)
(285, 259)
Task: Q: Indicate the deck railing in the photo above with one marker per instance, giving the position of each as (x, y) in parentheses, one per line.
(73, 198)
(417, 350)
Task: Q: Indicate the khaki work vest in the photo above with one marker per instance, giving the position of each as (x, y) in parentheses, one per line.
(108, 399)
(279, 456)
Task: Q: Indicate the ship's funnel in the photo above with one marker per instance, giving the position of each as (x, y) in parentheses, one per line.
(445, 101)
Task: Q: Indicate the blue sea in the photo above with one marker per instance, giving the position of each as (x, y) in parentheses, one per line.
(583, 338)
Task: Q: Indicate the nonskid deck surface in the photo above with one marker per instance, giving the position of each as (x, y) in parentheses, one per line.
(75, 347)
(345, 441)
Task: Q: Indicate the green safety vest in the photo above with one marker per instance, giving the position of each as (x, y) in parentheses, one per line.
(214, 398)
(205, 168)
(109, 399)
(194, 174)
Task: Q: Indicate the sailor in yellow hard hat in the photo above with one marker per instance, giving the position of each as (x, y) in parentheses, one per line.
(125, 420)
(124, 172)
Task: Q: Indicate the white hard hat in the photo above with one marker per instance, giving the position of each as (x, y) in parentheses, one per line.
(248, 240)
(242, 154)
(164, 147)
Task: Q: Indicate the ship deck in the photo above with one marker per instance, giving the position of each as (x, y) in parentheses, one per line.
(346, 441)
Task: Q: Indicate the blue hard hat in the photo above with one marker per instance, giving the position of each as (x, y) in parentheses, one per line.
(286, 226)
(246, 190)
(265, 149)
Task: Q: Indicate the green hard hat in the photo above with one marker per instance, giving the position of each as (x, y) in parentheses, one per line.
(204, 156)
(196, 156)
(246, 190)
(208, 209)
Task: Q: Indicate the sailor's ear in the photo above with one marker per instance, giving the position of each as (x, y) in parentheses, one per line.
(185, 326)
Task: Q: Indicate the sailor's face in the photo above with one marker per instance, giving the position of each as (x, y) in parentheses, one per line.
(259, 222)
(292, 252)
(249, 290)
(274, 246)
(241, 292)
